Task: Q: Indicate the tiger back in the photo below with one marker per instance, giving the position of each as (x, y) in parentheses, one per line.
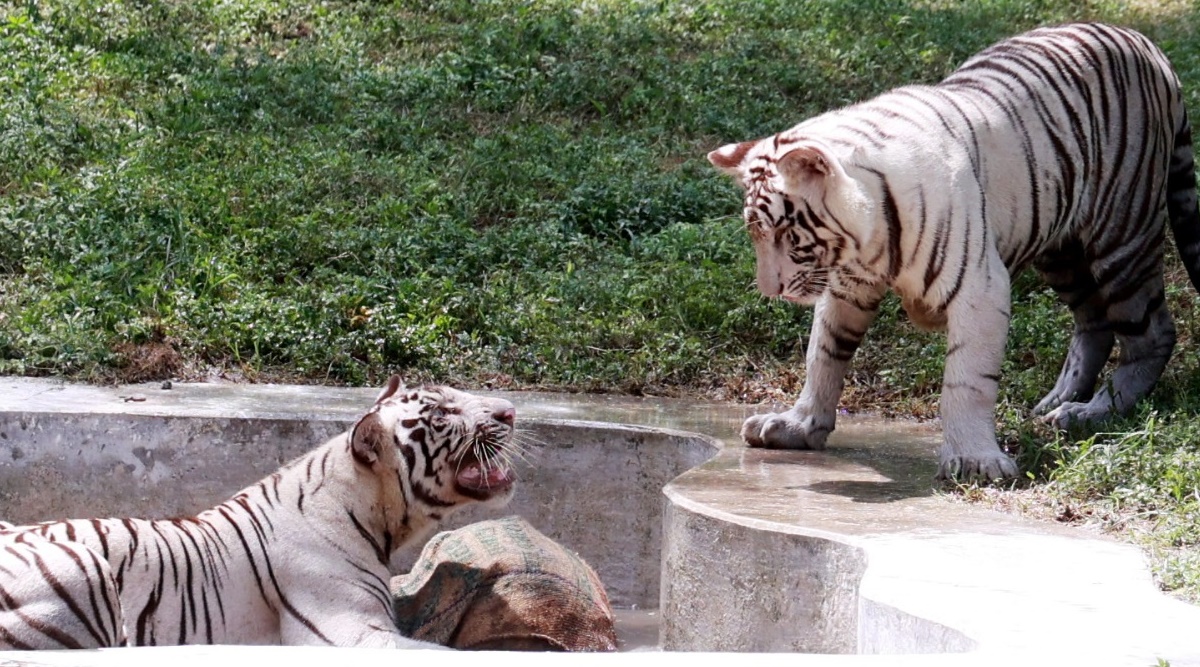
(1067, 149)
(301, 557)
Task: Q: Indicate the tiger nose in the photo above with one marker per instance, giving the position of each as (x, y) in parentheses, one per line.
(769, 282)
(770, 288)
(505, 415)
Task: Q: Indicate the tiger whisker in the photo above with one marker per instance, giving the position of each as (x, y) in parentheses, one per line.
(527, 436)
(525, 455)
(458, 464)
(510, 457)
(528, 444)
(517, 454)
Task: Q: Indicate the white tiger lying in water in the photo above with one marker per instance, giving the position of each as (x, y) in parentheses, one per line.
(301, 557)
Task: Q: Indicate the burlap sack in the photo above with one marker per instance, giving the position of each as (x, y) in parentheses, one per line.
(502, 585)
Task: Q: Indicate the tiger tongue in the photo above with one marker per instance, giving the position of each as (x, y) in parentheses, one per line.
(475, 476)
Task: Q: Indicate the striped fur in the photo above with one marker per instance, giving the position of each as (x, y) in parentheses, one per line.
(1067, 149)
(56, 595)
(301, 557)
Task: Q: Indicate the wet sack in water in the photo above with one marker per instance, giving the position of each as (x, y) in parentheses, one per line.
(502, 585)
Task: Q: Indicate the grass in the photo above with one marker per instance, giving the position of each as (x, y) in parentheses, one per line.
(504, 192)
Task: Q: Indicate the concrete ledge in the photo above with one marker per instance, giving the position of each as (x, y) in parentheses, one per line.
(734, 586)
(839, 552)
(919, 573)
(85, 451)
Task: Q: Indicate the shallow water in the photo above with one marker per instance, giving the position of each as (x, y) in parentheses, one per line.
(637, 629)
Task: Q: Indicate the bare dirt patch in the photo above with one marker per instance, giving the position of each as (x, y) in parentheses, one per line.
(144, 362)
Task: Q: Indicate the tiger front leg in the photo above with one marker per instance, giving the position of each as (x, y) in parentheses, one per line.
(337, 597)
(977, 331)
(352, 613)
(838, 327)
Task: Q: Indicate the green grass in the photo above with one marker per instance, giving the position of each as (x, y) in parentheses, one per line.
(504, 192)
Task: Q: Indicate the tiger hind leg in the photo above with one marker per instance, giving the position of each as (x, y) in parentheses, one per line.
(56, 596)
(1143, 326)
(1092, 339)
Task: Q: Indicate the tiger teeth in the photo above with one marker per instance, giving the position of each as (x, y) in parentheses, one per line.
(471, 473)
(477, 475)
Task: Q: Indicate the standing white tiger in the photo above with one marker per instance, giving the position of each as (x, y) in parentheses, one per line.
(1065, 148)
(301, 557)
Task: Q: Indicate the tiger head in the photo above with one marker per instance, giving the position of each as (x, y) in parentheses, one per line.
(445, 447)
(806, 216)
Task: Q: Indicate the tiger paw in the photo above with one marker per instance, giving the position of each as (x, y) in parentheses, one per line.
(1048, 403)
(989, 467)
(786, 430)
(1073, 414)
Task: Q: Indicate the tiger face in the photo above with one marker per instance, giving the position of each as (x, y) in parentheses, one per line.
(807, 218)
(453, 447)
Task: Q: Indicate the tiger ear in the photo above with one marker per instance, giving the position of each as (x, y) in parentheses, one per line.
(394, 385)
(367, 438)
(729, 158)
(808, 165)
(811, 170)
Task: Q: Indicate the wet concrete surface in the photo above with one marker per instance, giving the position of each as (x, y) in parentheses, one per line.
(868, 439)
(868, 461)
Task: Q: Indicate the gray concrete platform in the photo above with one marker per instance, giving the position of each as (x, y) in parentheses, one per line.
(838, 553)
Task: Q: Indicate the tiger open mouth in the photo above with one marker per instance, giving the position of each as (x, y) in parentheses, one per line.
(483, 479)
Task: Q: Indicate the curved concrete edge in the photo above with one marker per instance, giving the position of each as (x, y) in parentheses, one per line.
(1025, 591)
(1003, 587)
(729, 586)
(883, 629)
(972, 582)
(780, 588)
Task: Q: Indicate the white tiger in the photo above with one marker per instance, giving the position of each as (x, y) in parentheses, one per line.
(1065, 148)
(56, 595)
(301, 557)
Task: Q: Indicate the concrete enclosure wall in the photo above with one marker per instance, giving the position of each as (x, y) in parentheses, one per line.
(732, 587)
(596, 488)
(837, 551)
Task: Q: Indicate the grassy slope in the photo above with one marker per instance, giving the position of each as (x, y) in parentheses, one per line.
(504, 192)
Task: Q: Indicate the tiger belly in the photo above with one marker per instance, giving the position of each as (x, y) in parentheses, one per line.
(924, 316)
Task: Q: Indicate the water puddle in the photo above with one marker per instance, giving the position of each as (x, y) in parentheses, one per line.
(637, 629)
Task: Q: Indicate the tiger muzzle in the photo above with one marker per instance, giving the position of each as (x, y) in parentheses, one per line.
(484, 471)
